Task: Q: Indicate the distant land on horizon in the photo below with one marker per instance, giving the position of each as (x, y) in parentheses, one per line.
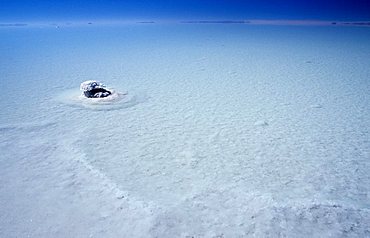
(247, 22)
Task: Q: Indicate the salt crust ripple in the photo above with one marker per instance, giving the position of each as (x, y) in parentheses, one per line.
(118, 100)
(256, 215)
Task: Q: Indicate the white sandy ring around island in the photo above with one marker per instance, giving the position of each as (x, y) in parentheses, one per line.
(117, 100)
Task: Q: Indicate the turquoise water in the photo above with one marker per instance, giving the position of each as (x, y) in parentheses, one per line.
(233, 130)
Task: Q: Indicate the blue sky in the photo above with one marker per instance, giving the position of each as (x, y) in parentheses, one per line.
(24, 10)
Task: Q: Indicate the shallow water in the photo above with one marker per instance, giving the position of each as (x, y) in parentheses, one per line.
(231, 130)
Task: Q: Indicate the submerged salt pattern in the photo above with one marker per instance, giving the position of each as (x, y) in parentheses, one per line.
(94, 97)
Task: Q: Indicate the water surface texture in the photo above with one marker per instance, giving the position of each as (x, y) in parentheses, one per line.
(229, 131)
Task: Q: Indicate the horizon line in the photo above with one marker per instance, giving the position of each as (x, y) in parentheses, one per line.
(282, 22)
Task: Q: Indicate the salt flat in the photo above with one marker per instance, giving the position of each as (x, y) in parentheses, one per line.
(230, 131)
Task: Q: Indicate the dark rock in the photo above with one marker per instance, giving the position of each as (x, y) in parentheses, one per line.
(97, 93)
(94, 89)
